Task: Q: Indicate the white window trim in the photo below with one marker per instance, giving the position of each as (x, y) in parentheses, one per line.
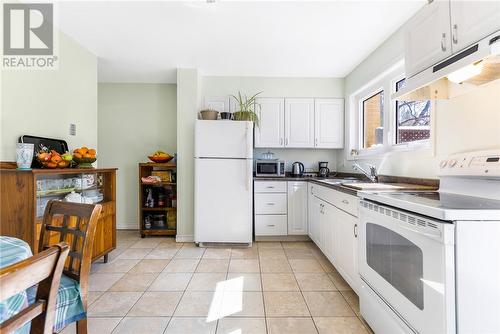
(386, 82)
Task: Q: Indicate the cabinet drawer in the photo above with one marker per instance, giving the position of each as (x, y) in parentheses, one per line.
(270, 225)
(346, 202)
(270, 187)
(274, 204)
(343, 201)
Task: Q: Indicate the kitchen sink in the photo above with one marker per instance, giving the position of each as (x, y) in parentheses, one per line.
(339, 180)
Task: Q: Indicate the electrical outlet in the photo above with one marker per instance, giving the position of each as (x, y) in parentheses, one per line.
(72, 129)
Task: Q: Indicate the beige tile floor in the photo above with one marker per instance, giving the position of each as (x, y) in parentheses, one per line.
(155, 285)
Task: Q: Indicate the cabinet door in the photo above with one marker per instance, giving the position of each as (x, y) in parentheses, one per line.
(313, 212)
(271, 113)
(346, 247)
(329, 123)
(472, 21)
(219, 103)
(299, 122)
(327, 230)
(297, 208)
(427, 37)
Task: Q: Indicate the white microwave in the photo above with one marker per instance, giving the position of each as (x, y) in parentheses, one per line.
(270, 168)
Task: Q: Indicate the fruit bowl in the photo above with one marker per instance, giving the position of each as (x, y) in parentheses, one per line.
(84, 162)
(160, 159)
(53, 165)
(53, 159)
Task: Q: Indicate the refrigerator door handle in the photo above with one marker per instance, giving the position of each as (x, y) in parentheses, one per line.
(249, 174)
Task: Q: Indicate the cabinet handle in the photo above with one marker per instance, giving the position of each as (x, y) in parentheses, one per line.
(286, 141)
(316, 141)
(345, 201)
(270, 187)
(355, 230)
(271, 225)
(454, 37)
(281, 141)
(443, 42)
(270, 203)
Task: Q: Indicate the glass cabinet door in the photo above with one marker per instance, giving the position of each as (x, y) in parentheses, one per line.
(78, 187)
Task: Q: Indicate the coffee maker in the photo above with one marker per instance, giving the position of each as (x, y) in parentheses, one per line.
(323, 170)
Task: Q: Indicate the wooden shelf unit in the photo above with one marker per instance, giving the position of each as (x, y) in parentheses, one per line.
(170, 229)
(21, 200)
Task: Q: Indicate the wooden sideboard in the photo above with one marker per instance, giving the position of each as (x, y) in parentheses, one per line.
(25, 193)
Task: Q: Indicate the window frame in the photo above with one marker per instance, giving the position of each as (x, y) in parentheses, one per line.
(412, 145)
(362, 119)
(386, 82)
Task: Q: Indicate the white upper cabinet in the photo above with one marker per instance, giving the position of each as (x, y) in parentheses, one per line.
(299, 122)
(427, 37)
(329, 123)
(271, 113)
(473, 20)
(297, 208)
(221, 104)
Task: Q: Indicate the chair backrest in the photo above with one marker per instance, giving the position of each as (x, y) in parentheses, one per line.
(44, 269)
(75, 224)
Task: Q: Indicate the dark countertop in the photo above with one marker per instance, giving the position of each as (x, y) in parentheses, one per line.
(314, 179)
(359, 177)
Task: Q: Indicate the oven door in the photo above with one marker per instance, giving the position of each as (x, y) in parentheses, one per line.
(408, 261)
(270, 168)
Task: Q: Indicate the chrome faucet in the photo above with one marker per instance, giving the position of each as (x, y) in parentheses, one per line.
(372, 174)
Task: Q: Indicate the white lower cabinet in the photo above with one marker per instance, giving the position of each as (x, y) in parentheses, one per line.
(313, 215)
(345, 246)
(334, 230)
(270, 225)
(280, 208)
(297, 208)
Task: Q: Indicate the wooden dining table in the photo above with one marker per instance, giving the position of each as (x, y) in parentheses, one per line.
(13, 250)
(69, 307)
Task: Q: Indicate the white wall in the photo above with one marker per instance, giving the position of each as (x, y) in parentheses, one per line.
(281, 87)
(187, 109)
(134, 120)
(44, 102)
(467, 122)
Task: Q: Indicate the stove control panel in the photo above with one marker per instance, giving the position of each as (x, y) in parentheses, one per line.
(477, 163)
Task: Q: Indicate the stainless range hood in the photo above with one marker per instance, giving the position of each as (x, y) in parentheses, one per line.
(476, 65)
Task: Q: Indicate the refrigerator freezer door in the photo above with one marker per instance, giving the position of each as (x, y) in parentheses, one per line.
(223, 200)
(223, 139)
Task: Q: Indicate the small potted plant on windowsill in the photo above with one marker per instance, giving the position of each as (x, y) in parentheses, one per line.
(246, 108)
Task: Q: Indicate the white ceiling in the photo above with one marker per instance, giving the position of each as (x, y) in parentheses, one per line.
(139, 41)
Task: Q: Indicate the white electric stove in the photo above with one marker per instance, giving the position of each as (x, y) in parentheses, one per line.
(430, 261)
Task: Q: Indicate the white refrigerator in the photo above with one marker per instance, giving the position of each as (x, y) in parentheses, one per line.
(223, 187)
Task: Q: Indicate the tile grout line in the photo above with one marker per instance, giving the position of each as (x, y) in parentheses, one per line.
(262, 289)
(143, 292)
(183, 292)
(302, 294)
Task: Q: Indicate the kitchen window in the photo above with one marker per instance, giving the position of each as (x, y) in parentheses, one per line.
(378, 124)
(373, 120)
(413, 118)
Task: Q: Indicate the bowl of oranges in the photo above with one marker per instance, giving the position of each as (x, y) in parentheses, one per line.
(84, 157)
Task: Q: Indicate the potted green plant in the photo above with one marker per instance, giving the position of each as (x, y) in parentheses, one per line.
(246, 108)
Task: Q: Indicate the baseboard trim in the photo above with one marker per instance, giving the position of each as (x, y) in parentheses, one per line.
(283, 238)
(127, 226)
(184, 238)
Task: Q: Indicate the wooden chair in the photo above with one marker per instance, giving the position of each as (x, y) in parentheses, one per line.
(44, 269)
(75, 224)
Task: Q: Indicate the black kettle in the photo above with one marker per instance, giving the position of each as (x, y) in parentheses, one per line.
(297, 168)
